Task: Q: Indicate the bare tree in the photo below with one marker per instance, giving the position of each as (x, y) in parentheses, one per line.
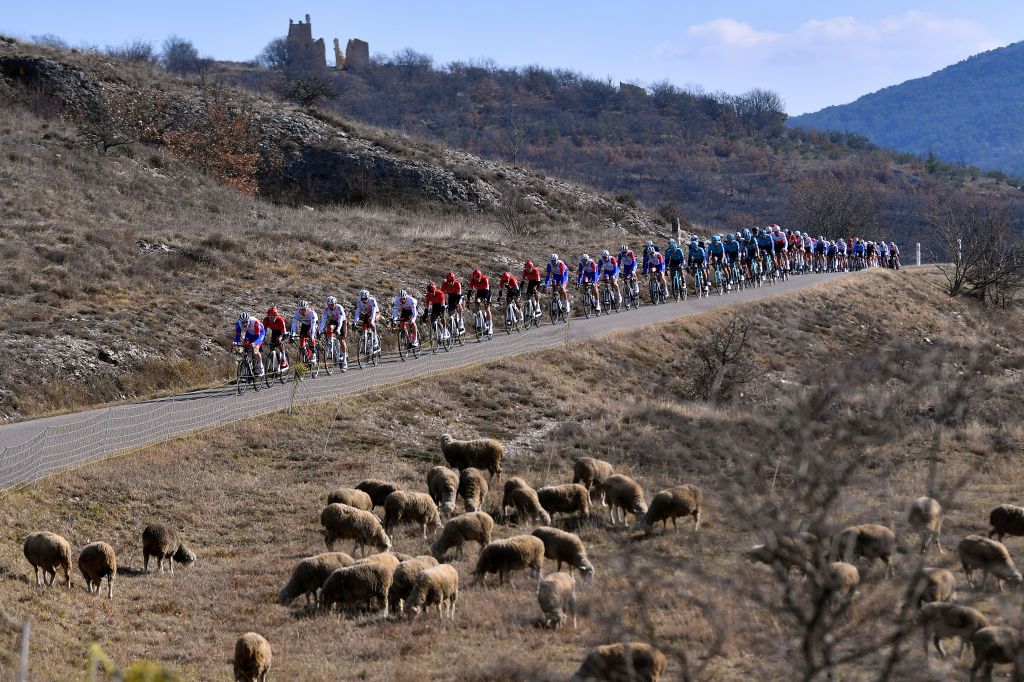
(274, 55)
(140, 51)
(119, 117)
(513, 212)
(308, 90)
(723, 361)
(179, 56)
(834, 205)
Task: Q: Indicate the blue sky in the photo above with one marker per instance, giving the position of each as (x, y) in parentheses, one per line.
(813, 53)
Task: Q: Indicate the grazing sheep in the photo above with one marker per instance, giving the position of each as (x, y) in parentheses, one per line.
(925, 518)
(469, 527)
(870, 541)
(569, 498)
(437, 586)
(164, 543)
(377, 490)
(405, 577)
(934, 585)
(996, 644)
(253, 658)
(591, 473)
(608, 663)
(363, 585)
(991, 557)
(943, 619)
(481, 453)
(443, 486)
(48, 551)
(352, 497)
(682, 500)
(1006, 519)
(842, 577)
(800, 551)
(388, 560)
(412, 507)
(309, 575)
(622, 493)
(96, 562)
(473, 488)
(565, 548)
(528, 507)
(511, 485)
(556, 595)
(518, 552)
(342, 522)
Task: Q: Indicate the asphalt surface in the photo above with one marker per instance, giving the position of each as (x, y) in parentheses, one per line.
(391, 370)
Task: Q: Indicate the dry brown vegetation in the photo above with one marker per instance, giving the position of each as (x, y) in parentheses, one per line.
(248, 498)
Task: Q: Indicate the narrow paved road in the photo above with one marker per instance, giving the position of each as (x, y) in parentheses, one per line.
(32, 449)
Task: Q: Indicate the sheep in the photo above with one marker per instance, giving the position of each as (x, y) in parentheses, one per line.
(437, 586)
(608, 663)
(569, 498)
(1006, 519)
(518, 552)
(364, 584)
(97, 561)
(996, 644)
(590, 473)
(925, 518)
(511, 485)
(443, 486)
(164, 543)
(472, 526)
(556, 595)
(309, 575)
(934, 585)
(48, 551)
(342, 522)
(415, 507)
(359, 499)
(991, 557)
(842, 577)
(473, 488)
(565, 548)
(481, 453)
(405, 577)
(253, 658)
(801, 551)
(682, 500)
(943, 619)
(870, 541)
(622, 493)
(528, 507)
(388, 560)
(377, 490)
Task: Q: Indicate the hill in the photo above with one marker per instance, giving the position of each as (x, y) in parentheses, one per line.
(918, 399)
(968, 112)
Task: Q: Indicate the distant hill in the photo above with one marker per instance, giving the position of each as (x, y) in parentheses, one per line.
(972, 111)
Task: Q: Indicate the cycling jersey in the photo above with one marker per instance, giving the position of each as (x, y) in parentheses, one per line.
(586, 272)
(819, 246)
(675, 256)
(367, 308)
(831, 249)
(451, 286)
(479, 282)
(333, 314)
(627, 263)
(894, 250)
(608, 268)
(557, 274)
(654, 260)
(841, 247)
(858, 249)
(508, 280)
(732, 250)
(252, 331)
(780, 243)
(696, 256)
(307, 320)
(716, 249)
(531, 274)
(764, 242)
(275, 324)
(435, 298)
(808, 243)
(406, 306)
(750, 246)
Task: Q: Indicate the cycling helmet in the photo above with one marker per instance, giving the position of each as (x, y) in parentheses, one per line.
(746, 233)
(403, 294)
(730, 236)
(303, 303)
(693, 242)
(244, 316)
(774, 226)
(431, 288)
(331, 300)
(585, 258)
(605, 254)
(506, 275)
(650, 245)
(476, 272)
(700, 245)
(364, 294)
(757, 230)
(272, 312)
(553, 257)
(623, 249)
(822, 237)
(528, 265)
(715, 239)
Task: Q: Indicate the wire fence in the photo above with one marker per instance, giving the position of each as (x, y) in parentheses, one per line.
(117, 430)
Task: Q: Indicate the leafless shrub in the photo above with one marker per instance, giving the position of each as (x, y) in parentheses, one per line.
(835, 205)
(513, 212)
(306, 89)
(722, 361)
(140, 51)
(120, 117)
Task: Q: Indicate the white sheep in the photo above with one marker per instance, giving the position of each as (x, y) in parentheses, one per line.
(352, 497)
(364, 585)
(528, 507)
(342, 522)
(437, 586)
(411, 507)
(404, 579)
(925, 518)
(388, 560)
(556, 595)
(469, 527)
(681, 501)
(996, 644)
(473, 488)
(309, 575)
(623, 494)
(991, 557)
(511, 484)
(944, 619)
(443, 486)
(377, 490)
(635, 662)
(934, 585)
(591, 473)
(97, 561)
(565, 548)
(843, 578)
(518, 552)
(48, 551)
(870, 541)
(568, 498)
(253, 658)
(1006, 519)
(481, 453)
(164, 543)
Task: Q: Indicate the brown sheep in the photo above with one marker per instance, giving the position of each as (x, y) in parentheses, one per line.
(443, 486)
(934, 585)
(991, 557)
(565, 548)
(473, 489)
(482, 453)
(468, 527)
(96, 562)
(556, 595)
(528, 507)
(354, 498)
(342, 522)
(633, 662)
(1006, 519)
(569, 498)
(843, 578)
(996, 644)
(511, 485)
(377, 490)
(591, 473)
(518, 552)
(624, 495)
(437, 586)
(163, 543)
(411, 507)
(870, 541)
(681, 501)
(253, 658)
(363, 585)
(48, 551)
(309, 575)
(942, 619)
(404, 579)
(925, 518)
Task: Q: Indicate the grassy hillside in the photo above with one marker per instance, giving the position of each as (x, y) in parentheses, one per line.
(859, 371)
(966, 112)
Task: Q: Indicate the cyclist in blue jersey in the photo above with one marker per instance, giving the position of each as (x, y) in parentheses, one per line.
(716, 253)
(749, 253)
(608, 271)
(765, 247)
(732, 254)
(674, 257)
(696, 259)
(654, 264)
(587, 275)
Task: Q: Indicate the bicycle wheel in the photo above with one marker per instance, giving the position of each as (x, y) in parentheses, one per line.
(416, 347)
(510, 317)
(243, 375)
(314, 365)
(447, 339)
(374, 346)
(326, 352)
(267, 375)
(553, 310)
(478, 326)
(436, 337)
(403, 343)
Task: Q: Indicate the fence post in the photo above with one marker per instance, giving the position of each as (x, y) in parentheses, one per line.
(26, 629)
(919, 253)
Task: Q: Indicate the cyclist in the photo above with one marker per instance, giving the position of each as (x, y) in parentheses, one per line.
(808, 250)
(832, 255)
(275, 324)
(674, 257)
(779, 243)
(452, 288)
(716, 254)
(405, 308)
(587, 273)
(732, 255)
(894, 256)
(557, 277)
(696, 260)
(608, 268)
(858, 252)
(749, 254)
(367, 312)
(250, 332)
(433, 306)
(883, 254)
(869, 252)
(841, 256)
(765, 246)
(654, 264)
(531, 275)
(480, 283)
(820, 249)
(511, 285)
(304, 321)
(334, 316)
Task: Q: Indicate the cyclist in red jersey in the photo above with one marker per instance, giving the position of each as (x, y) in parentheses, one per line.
(275, 323)
(510, 284)
(480, 283)
(433, 304)
(452, 288)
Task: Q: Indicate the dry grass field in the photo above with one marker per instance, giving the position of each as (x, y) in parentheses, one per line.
(248, 499)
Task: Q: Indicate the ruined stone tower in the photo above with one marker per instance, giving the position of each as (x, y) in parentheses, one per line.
(304, 53)
(339, 56)
(357, 54)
